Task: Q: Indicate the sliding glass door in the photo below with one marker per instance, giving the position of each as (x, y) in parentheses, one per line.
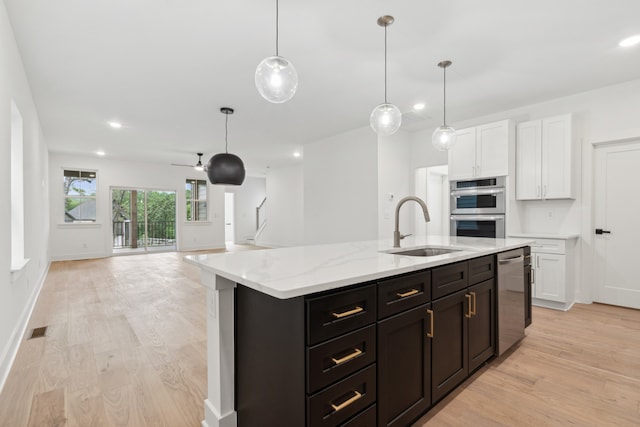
(143, 220)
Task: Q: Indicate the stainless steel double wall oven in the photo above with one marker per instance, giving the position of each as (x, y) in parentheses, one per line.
(478, 207)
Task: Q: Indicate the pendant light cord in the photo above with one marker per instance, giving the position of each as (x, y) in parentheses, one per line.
(385, 64)
(277, 22)
(226, 133)
(444, 102)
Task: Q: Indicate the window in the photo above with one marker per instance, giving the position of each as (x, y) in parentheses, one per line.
(196, 197)
(79, 196)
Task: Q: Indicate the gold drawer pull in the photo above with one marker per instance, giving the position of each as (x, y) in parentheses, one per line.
(348, 402)
(408, 293)
(430, 313)
(468, 313)
(348, 313)
(473, 311)
(356, 352)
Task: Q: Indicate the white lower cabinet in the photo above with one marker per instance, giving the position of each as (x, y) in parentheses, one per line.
(549, 277)
(553, 273)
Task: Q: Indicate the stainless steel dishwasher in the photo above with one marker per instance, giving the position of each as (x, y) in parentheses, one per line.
(511, 299)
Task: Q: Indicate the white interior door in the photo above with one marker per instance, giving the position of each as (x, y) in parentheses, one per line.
(229, 214)
(616, 213)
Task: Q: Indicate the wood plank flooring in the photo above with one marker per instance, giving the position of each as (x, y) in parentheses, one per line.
(126, 346)
(580, 368)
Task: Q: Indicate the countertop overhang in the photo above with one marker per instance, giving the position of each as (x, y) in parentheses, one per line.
(302, 270)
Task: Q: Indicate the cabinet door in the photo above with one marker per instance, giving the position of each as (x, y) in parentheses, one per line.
(404, 363)
(449, 349)
(482, 324)
(550, 277)
(492, 149)
(462, 156)
(556, 158)
(529, 160)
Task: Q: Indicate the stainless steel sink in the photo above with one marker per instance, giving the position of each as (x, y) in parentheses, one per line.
(428, 251)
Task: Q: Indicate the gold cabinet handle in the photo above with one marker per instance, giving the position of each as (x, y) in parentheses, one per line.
(473, 311)
(356, 352)
(358, 309)
(408, 293)
(468, 313)
(347, 402)
(430, 333)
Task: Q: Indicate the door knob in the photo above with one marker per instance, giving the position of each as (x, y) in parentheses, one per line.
(601, 231)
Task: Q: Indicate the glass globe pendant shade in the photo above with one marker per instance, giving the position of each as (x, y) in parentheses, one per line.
(276, 79)
(443, 138)
(385, 119)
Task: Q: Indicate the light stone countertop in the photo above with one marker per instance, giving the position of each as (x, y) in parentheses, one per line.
(295, 271)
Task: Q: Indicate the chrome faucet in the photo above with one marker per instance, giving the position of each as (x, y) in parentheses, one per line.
(396, 234)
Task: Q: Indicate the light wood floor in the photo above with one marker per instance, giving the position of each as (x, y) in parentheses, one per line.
(127, 347)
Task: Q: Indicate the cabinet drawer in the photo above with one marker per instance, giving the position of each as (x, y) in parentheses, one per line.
(449, 278)
(335, 314)
(341, 401)
(367, 418)
(549, 246)
(339, 357)
(402, 293)
(481, 269)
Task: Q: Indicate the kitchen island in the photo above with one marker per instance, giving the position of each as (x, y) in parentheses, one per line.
(275, 317)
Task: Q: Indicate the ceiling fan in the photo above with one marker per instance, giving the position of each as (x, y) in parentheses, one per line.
(198, 166)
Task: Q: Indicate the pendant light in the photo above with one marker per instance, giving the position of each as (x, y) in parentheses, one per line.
(445, 136)
(276, 77)
(385, 118)
(226, 168)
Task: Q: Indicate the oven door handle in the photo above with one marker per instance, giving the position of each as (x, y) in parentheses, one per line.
(479, 191)
(477, 217)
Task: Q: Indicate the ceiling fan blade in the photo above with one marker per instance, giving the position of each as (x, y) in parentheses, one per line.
(186, 166)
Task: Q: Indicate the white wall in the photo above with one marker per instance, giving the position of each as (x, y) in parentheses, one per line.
(341, 188)
(395, 176)
(606, 114)
(19, 290)
(285, 224)
(78, 241)
(248, 197)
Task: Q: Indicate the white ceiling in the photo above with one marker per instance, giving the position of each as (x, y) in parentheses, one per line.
(165, 67)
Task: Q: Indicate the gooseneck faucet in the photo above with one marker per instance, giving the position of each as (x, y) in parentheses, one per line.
(396, 234)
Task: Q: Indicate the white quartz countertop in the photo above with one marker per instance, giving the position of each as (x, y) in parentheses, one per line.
(545, 236)
(303, 270)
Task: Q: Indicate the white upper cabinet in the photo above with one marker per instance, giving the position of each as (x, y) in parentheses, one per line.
(529, 160)
(480, 152)
(544, 159)
(462, 156)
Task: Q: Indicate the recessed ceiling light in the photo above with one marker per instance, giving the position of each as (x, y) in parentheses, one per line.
(419, 106)
(630, 41)
(296, 154)
(115, 125)
(100, 153)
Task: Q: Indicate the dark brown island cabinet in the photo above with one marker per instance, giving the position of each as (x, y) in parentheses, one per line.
(374, 354)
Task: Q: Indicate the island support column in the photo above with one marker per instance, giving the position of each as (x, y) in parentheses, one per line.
(219, 406)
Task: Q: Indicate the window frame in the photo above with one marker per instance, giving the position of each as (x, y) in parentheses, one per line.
(66, 196)
(194, 200)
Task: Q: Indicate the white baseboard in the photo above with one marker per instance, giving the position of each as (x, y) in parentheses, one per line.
(551, 304)
(79, 256)
(269, 245)
(201, 248)
(18, 332)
